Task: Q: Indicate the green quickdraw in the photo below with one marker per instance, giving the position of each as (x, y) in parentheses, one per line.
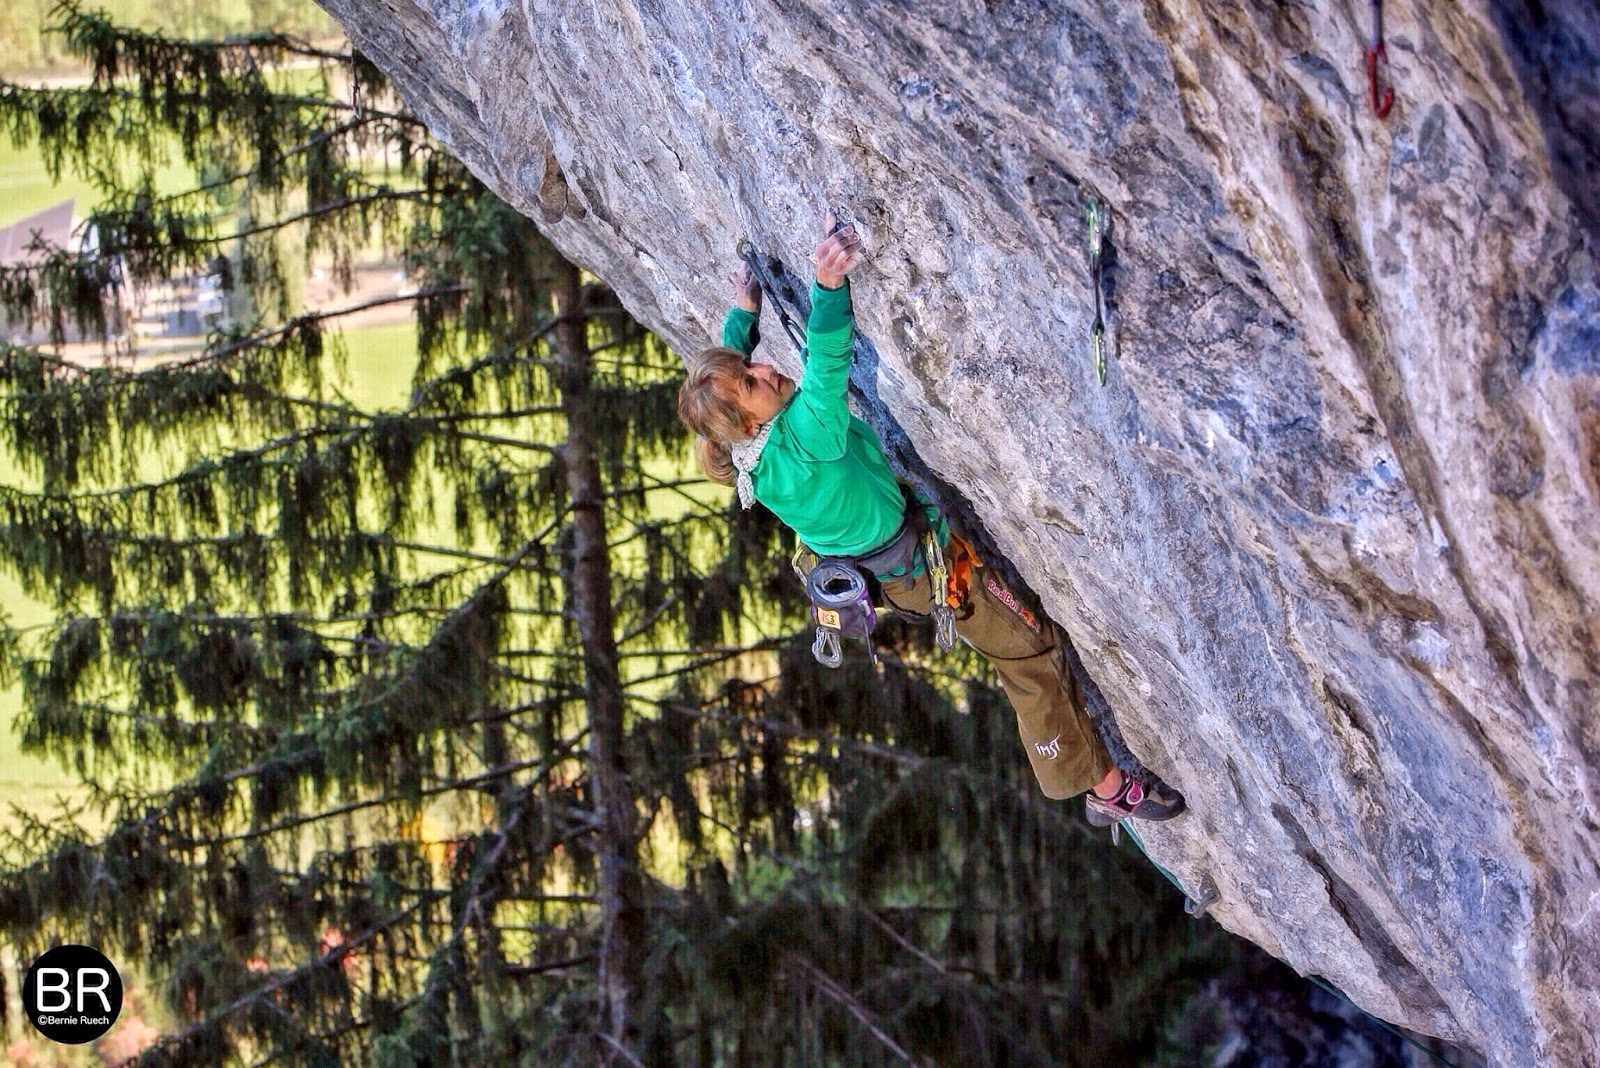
(944, 617)
(1098, 227)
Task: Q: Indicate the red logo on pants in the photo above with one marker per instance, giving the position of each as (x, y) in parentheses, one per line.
(1007, 598)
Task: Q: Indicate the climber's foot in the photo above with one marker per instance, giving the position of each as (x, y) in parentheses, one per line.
(1154, 801)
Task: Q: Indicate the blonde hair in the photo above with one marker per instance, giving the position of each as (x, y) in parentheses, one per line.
(708, 404)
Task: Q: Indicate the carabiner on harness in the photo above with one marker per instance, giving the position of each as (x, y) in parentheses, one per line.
(944, 617)
(825, 647)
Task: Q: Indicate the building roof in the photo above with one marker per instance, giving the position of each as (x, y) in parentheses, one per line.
(54, 224)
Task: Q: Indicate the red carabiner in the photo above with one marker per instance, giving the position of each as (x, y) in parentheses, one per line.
(1378, 61)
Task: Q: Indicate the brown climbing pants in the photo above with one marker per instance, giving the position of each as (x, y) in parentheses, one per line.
(1057, 734)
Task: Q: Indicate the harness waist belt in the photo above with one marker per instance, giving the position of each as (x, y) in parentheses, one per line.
(894, 554)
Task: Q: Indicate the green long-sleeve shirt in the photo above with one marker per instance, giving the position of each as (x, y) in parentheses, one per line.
(822, 470)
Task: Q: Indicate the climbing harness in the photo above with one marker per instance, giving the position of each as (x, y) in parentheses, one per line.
(843, 589)
(1098, 227)
(1380, 90)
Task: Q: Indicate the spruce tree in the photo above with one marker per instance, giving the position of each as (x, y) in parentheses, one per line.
(469, 731)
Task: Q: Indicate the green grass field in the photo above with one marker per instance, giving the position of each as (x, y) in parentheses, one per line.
(25, 185)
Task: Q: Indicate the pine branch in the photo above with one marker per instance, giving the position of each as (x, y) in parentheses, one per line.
(331, 959)
(689, 566)
(644, 625)
(358, 1024)
(713, 654)
(88, 377)
(465, 554)
(831, 989)
(302, 322)
(472, 782)
(508, 443)
(509, 413)
(900, 940)
(650, 527)
(475, 889)
(177, 99)
(620, 1049)
(384, 195)
(84, 27)
(520, 971)
(842, 743)
(204, 470)
(321, 138)
(676, 486)
(711, 660)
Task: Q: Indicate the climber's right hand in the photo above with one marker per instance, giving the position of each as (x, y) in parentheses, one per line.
(746, 289)
(837, 255)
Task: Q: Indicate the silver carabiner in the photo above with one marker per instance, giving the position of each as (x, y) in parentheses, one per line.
(944, 627)
(826, 648)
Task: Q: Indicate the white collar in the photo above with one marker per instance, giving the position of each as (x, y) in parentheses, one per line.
(745, 455)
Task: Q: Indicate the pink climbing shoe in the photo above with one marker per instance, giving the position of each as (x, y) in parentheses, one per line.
(1154, 801)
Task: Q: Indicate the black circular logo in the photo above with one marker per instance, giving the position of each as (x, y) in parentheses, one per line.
(72, 994)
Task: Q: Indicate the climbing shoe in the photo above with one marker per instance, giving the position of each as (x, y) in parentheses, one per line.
(1154, 801)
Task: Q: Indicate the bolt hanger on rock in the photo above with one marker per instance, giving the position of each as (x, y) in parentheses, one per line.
(1204, 898)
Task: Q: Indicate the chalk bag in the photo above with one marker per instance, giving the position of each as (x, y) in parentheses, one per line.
(841, 607)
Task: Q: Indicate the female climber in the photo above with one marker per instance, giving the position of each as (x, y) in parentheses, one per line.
(797, 449)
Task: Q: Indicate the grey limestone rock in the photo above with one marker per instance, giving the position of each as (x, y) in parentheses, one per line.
(1328, 537)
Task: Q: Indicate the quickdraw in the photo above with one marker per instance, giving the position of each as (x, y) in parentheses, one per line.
(1098, 227)
(765, 272)
(961, 562)
(944, 615)
(1380, 90)
(1204, 898)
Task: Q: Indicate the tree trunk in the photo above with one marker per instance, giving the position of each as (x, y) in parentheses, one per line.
(589, 600)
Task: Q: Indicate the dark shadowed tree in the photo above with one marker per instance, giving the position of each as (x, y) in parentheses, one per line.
(467, 731)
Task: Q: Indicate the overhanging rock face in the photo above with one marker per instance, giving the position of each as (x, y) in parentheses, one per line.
(1328, 536)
